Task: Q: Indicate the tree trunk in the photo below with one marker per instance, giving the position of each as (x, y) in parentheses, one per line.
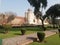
(43, 25)
(53, 22)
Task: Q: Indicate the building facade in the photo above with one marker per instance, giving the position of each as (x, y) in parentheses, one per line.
(31, 18)
(18, 21)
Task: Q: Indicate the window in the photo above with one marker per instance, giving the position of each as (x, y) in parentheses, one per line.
(34, 20)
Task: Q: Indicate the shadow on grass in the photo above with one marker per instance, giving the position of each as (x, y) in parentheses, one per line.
(2, 32)
(36, 40)
(32, 38)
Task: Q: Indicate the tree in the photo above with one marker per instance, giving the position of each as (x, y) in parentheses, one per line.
(10, 16)
(5, 19)
(38, 6)
(53, 12)
(2, 17)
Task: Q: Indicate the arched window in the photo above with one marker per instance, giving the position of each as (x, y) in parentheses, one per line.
(34, 20)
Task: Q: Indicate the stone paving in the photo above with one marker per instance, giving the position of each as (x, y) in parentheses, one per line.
(25, 39)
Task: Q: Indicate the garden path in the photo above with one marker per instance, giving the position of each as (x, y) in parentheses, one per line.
(25, 39)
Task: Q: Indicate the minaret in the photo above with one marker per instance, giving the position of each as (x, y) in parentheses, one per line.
(30, 16)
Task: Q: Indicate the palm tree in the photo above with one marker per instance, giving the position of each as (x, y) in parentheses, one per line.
(53, 12)
(37, 4)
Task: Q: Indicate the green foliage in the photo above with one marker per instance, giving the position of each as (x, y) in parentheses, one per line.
(59, 26)
(29, 28)
(50, 27)
(41, 36)
(37, 3)
(23, 30)
(59, 31)
(7, 27)
(38, 7)
(54, 11)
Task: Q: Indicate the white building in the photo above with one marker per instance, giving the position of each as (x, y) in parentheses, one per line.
(31, 19)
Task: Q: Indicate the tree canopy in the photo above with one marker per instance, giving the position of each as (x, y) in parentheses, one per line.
(7, 17)
(37, 4)
(54, 11)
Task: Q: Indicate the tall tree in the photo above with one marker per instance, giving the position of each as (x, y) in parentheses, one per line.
(10, 16)
(53, 12)
(7, 17)
(38, 6)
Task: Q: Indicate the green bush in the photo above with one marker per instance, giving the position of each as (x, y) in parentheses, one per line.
(49, 27)
(59, 31)
(28, 28)
(41, 36)
(7, 27)
(23, 30)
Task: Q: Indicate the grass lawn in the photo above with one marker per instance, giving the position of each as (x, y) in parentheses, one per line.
(52, 40)
(14, 33)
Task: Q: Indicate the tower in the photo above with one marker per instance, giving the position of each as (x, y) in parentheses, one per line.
(30, 17)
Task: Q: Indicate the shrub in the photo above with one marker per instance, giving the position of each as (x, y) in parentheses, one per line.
(1, 27)
(49, 26)
(23, 30)
(59, 31)
(41, 36)
(44, 29)
(7, 27)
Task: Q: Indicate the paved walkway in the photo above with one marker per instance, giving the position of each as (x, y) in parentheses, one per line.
(25, 39)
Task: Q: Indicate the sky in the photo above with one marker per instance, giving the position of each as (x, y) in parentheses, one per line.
(20, 6)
